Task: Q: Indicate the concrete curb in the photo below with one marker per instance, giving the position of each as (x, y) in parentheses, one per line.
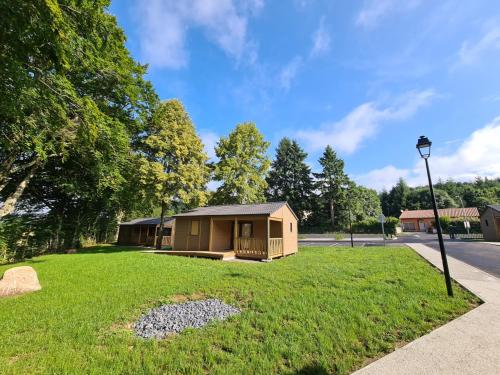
(467, 345)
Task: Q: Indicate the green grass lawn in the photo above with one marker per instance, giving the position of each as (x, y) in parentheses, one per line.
(324, 310)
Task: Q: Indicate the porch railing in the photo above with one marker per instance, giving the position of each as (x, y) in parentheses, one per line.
(166, 241)
(275, 247)
(250, 247)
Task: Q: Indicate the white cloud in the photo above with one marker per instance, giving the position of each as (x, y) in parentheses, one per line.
(209, 140)
(472, 51)
(383, 178)
(321, 40)
(164, 24)
(348, 134)
(289, 72)
(374, 10)
(477, 156)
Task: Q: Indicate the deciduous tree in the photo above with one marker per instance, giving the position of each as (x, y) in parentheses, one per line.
(242, 166)
(174, 168)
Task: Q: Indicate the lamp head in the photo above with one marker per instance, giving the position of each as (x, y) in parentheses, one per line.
(424, 147)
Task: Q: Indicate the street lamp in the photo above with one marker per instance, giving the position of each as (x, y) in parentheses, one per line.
(424, 148)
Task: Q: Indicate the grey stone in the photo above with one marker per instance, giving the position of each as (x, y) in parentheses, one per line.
(174, 318)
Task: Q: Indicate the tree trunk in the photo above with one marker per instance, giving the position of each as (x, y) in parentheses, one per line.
(119, 217)
(160, 230)
(10, 203)
(332, 213)
(5, 170)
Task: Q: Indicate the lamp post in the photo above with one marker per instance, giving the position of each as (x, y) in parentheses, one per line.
(424, 148)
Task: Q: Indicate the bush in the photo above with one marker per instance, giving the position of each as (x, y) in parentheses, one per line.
(373, 226)
(456, 225)
(20, 238)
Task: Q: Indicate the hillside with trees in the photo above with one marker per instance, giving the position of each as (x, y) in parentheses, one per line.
(478, 193)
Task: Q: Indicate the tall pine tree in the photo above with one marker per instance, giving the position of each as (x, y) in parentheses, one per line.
(331, 183)
(290, 178)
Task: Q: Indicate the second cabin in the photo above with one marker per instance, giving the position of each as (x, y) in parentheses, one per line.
(256, 231)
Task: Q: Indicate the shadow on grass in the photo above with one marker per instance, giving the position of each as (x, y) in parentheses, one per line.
(109, 249)
(315, 369)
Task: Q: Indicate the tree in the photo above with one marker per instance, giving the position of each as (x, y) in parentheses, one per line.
(365, 203)
(398, 198)
(290, 178)
(69, 89)
(174, 168)
(73, 102)
(420, 199)
(331, 182)
(242, 166)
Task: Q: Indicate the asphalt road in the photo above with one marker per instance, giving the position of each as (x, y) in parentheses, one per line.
(481, 255)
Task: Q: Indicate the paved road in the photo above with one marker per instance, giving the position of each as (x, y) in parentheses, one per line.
(481, 255)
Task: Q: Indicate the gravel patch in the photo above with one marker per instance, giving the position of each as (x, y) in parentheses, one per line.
(174, 318)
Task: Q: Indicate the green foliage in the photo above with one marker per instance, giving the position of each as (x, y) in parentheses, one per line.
(420, 199)
(330, 184)
(290, 179)
(73, 103)
(242, 166)
(396, 199)
(372, 225)
(327, 309)
(456, 225)
(448, 194)
(174, 168)
(364, 203)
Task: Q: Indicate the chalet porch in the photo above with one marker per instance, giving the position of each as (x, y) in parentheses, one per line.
(253, 238)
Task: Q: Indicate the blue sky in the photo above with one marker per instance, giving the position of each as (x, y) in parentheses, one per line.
(367, 77)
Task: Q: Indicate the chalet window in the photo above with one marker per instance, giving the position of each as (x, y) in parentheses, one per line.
(486, 222)
(409, 226)
(195, 227)
(246, 229)
(167, 231)
(291, 227)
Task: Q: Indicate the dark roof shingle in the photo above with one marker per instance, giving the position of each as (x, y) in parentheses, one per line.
(235, 209)
(149, 221)
(495, 207)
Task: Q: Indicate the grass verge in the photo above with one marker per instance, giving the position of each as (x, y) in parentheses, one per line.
(324, 310)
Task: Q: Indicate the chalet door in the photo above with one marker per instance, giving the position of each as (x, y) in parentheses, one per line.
(421, 225)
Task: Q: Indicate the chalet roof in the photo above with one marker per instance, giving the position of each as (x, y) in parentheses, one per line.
(236, 209)
(450, 212)
(150, 221)
(494, 207)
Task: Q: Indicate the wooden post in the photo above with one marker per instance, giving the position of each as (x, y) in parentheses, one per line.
(210, 234)
(235, 242)
(199, 234)
(188, 233)
(268, 236)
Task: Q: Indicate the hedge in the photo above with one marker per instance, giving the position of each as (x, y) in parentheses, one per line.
(373, 226)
